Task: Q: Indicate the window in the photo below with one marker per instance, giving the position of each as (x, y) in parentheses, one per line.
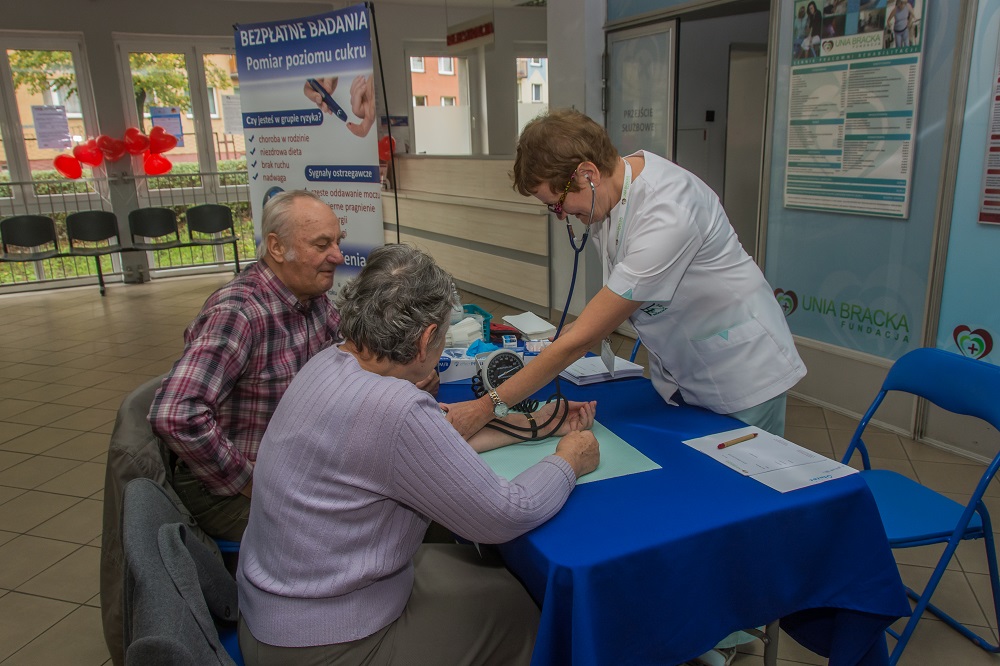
(532, 89)
(417, 64)
(222, 83)
(420, 100)
(446, 66)
(45, 77)
(441, 116)
(447, 101)
(65, 96)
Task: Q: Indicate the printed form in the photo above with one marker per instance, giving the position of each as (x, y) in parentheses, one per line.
(769, 459)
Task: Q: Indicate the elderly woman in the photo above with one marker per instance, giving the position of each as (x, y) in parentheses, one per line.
(355, 464)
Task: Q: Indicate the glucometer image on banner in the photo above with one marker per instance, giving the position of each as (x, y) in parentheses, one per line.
(327, 99)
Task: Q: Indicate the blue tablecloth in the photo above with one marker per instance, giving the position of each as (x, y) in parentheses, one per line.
(655, 568)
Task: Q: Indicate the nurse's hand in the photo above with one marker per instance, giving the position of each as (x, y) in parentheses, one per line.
(469, 417)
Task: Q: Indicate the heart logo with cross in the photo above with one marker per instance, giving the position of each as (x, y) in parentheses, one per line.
(788, 301)
(973, 343)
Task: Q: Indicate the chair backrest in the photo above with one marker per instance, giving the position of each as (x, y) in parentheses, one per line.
(209, 218)
(959, 384)
(134, 452)
(28, 231)
(173, 585)
(152, 223)
(92, 226)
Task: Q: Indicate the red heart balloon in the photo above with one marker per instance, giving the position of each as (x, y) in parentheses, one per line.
(160, 141)
(113, 149)
(88, 153)
(156, 165)
(385, 147)
(135, 141)
(68, 166)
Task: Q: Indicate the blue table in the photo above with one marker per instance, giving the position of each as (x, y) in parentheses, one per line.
(655, 568)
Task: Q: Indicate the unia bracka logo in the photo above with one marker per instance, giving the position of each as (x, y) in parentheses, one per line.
(974, 344)
(788, 301)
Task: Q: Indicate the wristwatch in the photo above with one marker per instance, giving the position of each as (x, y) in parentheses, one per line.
(500, 408)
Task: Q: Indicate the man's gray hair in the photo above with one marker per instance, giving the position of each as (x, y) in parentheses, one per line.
(399, 293)
(278, 218)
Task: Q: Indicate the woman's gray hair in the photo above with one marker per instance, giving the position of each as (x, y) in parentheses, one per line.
(278, 215)
(399, 293)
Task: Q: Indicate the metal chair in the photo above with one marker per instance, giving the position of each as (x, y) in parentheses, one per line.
(216, 220)
(28, 233)
(154, 223)
(98, 227)
(914, 515)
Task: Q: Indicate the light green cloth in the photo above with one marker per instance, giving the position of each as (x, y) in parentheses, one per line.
(618, 457)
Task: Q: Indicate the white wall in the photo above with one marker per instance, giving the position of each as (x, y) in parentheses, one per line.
(702, 79)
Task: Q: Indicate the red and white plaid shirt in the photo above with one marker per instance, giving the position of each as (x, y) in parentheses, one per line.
(249, 340)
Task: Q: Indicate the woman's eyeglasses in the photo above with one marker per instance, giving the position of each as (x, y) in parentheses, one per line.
(557, 207)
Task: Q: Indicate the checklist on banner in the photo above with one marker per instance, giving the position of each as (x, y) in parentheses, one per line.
(769, 459)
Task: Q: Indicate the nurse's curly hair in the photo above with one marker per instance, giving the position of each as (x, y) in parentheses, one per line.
(399, 293)
(553, 145)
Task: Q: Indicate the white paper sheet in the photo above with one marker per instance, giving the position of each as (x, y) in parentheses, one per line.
(772, 460)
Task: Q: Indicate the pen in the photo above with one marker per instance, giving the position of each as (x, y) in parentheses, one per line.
(737, 440)
(327, 98)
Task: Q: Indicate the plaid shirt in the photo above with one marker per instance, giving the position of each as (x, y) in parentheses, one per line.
(240, 354)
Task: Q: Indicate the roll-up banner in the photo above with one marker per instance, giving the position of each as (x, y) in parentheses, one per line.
(308, 107)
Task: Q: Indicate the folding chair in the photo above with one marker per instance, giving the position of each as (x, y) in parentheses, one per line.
(99, 228)
(914, 515)
(216, 220)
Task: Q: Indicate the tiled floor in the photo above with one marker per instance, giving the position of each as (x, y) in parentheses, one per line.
(67, 358)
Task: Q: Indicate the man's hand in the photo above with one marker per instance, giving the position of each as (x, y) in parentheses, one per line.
(580, 450)
(431, 383)
(363, 105)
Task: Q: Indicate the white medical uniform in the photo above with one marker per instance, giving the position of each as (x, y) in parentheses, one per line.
(708, 317)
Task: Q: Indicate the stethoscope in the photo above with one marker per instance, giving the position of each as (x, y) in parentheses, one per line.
(577, 246)
(533, 405)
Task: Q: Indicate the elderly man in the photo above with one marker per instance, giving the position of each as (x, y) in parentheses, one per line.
(240, 354)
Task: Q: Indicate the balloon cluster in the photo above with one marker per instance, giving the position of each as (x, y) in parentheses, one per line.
(94, 151)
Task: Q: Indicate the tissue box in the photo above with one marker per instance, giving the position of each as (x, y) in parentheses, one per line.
(455, 366)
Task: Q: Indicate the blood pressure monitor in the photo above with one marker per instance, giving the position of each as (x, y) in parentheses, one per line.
(495, 368)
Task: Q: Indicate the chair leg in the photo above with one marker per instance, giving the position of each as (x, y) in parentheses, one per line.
(100, 274)
(923, 600)
(771, 644)
(236, 256)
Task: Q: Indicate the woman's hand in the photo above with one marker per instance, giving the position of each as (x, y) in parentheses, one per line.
(580, 417)
(468, 417)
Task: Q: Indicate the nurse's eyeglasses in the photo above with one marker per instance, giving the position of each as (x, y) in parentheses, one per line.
(557, 207)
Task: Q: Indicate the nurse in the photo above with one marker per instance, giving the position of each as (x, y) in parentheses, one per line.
(673, 267)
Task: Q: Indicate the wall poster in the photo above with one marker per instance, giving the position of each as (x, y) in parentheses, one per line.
(308, 102)
(852, 105)
(989, 202)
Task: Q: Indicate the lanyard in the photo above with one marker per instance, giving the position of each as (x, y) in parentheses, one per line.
(623, 207)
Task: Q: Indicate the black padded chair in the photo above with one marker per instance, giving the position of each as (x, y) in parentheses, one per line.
(152, 224)
(98, 228)
(32, 235)
(215, 222)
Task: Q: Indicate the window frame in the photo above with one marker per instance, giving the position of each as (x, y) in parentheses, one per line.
(450, 71)
(11, 124)
(413, 63)
(194, 49)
